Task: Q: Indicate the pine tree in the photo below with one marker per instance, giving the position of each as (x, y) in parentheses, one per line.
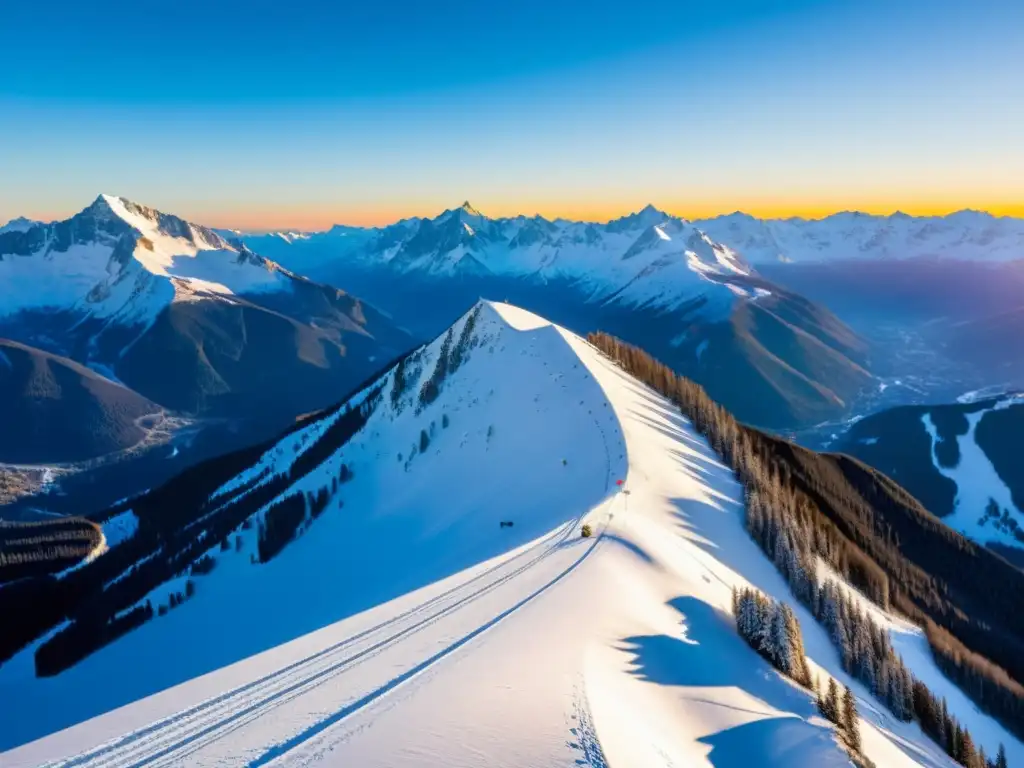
(968, 753)
(850, 722)
(801, 671)
(398, 388)
(832, 710)
(779, 644)
(943, 736)
(1001, 757)
(908, 694)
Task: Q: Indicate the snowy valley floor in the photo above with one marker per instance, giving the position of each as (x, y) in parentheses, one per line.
(617, 650)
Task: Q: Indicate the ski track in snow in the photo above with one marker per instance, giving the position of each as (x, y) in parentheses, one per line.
(615, 650)
(281, 749)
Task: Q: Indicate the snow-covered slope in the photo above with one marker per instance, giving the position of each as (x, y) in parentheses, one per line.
(407, 626)
(124, 261)
(967, 235)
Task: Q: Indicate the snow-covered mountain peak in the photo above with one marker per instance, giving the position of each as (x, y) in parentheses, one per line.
(120, 259)
(463, 212)
(469, 209)
(648, 216)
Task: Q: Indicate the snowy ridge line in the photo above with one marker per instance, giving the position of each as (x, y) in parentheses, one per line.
(285, 686)
(317, 728)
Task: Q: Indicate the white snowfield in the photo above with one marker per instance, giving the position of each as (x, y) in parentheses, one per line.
(407, 627)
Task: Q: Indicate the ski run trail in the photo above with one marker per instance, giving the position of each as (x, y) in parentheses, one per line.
(407, 627)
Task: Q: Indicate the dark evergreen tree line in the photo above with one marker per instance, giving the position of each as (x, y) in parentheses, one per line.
(987, 684)
(280, 523)
(205, 564)
(432, 386)
(49, 546)
(449, 359)
(398, 385)
(83, 637)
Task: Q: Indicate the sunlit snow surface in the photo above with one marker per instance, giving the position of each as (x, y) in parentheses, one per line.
(408, 628)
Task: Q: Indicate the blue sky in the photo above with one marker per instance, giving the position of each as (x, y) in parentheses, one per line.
(290, 114)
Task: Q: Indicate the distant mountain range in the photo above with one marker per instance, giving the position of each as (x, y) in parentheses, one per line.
(964, 235)
(954, 282)
(647, 258)
(655, 279)
(171, 313)
(734, 301)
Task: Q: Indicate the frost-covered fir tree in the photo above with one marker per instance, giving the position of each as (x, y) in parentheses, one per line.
(851, 724)
(779, 648)
(801, 672)
(772, 629)
(832, 706)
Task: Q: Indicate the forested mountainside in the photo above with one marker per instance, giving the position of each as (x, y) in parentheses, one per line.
(960, 460)
(54, 410)
(36, 549)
